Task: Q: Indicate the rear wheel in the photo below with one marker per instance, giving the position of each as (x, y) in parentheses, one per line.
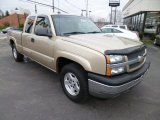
(74, 82)
(16, 55)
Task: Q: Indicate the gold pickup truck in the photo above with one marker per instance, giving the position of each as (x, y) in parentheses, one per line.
(89, 62)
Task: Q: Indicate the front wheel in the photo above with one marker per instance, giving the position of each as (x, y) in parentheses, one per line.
(74, 82)
(16, 55)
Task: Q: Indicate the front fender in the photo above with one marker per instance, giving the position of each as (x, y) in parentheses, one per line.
(78, 59)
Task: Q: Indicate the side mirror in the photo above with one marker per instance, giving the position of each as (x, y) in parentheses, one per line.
(43, 32)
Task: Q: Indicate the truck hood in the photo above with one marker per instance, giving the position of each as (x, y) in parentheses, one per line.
(102, 42)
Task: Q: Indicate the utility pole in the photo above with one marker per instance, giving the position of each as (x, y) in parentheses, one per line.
(46, 5)
(53, 5)
(18, 20)
(82, 12)
(35, 9)
(87, 9)
(90, 13)
(115, 15)
(111, 16)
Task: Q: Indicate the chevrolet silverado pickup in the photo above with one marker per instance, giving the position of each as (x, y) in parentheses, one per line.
(89, 62)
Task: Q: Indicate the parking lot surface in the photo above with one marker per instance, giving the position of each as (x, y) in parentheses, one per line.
(28, 91)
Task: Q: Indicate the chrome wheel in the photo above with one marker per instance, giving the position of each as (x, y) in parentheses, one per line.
(71, 84)
(15, 53)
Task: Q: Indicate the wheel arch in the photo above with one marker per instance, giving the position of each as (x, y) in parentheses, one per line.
(11, 42)
(67, 58)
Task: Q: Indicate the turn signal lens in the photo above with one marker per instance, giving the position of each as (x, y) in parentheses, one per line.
(108, 72)
(108, 59)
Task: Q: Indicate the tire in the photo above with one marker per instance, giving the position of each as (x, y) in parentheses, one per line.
(74, 83)
(16, 55)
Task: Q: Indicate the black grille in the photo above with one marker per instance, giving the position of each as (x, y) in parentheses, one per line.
(132, 66)
(134, 55)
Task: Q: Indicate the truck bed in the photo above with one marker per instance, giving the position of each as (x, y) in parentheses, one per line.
(15, 35)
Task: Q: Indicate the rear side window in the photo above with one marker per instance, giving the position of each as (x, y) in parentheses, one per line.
(123, 27)
(107, 26)
(114, 26)
(29, 24)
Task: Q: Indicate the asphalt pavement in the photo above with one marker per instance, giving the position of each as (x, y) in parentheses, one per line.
(28, 91)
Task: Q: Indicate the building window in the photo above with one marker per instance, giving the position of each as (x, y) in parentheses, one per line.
(152, 22)
(141, 22)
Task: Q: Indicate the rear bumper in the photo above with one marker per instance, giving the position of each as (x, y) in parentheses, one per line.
(105, 87)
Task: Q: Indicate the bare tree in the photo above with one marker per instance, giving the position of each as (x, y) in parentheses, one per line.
(119, 18)
(100, 22)
(6, 24)
(7, 13)
(1, 14)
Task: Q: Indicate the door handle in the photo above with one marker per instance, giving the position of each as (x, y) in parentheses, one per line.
(32, 40)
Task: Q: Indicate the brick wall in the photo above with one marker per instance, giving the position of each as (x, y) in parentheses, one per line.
(14, 20)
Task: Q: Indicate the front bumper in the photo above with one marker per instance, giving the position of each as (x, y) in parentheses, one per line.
(106, 87)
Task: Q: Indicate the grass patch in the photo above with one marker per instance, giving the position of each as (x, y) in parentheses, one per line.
(1, 27)
(147, 41)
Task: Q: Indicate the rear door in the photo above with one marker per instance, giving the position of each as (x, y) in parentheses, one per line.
(27, 36)
(43, 45)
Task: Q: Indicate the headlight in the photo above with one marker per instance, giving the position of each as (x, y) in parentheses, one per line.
(115, 71)
(114, 59)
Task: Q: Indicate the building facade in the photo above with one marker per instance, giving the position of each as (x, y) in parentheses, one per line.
(142, 15)
(14, 20)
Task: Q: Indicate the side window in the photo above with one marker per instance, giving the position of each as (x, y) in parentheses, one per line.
(43, 22)
(116, 31)
(114, 26)
(123, 27)
(29, 24)
(107, 30)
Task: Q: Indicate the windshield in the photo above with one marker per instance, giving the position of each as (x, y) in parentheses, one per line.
(68, 24)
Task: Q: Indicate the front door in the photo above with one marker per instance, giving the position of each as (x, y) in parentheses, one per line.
(43, 46)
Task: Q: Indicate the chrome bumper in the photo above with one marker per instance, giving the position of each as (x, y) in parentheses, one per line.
(106, 91)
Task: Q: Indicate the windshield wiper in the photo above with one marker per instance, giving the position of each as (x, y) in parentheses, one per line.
(94, 32)
(71, 33)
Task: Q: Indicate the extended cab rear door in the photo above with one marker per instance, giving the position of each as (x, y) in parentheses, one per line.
(43, 45)
(27, 36)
